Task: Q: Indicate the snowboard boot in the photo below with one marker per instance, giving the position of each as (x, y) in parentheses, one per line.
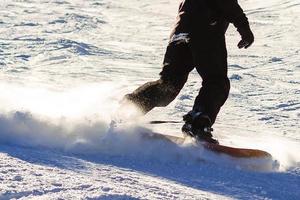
(198, 125)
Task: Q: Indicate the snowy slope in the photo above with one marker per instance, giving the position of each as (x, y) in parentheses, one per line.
(64, 65)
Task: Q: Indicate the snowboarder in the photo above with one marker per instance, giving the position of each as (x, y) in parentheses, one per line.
(197, 41)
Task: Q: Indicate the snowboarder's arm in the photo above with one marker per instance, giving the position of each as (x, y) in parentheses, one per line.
(233, 13)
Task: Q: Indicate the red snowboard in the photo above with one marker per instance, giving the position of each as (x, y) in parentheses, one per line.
(217, 148)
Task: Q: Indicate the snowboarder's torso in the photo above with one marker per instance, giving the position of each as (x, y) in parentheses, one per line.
(196, 16)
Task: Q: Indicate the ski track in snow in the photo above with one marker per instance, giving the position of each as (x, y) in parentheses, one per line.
(64, 65)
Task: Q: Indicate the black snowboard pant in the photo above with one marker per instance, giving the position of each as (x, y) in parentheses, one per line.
(205, 51)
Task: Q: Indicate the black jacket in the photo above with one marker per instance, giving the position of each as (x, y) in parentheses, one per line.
(196, 15)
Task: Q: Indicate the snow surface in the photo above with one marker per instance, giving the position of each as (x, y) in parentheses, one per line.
(64, 66)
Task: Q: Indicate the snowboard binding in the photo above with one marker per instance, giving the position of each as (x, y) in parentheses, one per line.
(198, 125)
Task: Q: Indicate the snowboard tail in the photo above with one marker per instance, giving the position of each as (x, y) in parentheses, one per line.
(236, 152)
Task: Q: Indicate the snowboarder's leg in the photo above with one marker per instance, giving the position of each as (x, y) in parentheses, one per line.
(210, 56)
(176, 67)
(212, 68)
(212, 95)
